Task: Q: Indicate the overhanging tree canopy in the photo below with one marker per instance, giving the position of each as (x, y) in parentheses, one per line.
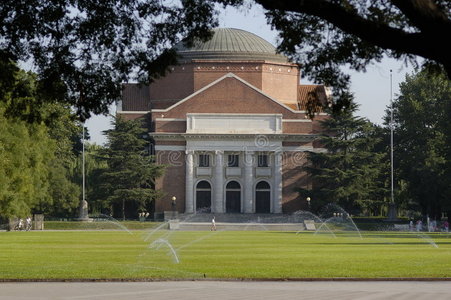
(83, 50)
(324, 35)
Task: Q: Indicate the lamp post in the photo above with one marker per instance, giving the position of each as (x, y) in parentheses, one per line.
(174, 203)
(308, 202)
(174, 206)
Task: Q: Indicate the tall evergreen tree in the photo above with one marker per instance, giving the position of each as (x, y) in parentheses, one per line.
(128, 181)
(422, 141)
(348, 174)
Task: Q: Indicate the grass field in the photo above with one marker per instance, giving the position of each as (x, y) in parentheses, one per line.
(221, 254)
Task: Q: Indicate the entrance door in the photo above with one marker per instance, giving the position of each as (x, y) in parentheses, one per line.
(262, 198)
(203, 197)
(233, 197)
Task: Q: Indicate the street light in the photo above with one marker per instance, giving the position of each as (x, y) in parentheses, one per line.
(308, 202)
(174, 203)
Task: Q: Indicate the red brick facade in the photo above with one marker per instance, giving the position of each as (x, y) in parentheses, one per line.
(189, 112)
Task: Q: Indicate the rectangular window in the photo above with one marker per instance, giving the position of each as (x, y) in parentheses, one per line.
(204, 160)
(233, 160)
(262, 160)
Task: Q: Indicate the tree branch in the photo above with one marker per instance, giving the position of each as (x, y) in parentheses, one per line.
(378, 34)
(424, 14)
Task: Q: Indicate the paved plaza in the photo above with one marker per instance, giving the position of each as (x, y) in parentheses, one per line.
(219, 290)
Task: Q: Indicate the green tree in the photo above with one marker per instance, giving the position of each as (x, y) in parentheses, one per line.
(25, 151)
(349, 173)
(324, 35)
(65, 131)
(84, 50)
(129, 178)
(422, 157)
(37, 156)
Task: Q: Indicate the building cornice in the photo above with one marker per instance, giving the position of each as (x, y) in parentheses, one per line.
(163, 136)
(133, 112)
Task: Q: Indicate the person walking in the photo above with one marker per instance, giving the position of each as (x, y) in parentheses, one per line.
(419, 225)
(213, 224)
(20, 225)
(28, 223)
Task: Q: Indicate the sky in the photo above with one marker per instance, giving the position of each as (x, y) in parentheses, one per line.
(371, 89)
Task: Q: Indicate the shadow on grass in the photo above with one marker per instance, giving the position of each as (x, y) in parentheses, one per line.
(377, 243)
(413, 235)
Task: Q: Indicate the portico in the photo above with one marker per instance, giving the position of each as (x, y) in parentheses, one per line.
(233, 173)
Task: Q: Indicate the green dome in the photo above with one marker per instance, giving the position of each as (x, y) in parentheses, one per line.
(231, 44)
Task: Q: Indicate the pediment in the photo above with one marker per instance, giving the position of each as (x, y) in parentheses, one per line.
(227, 95)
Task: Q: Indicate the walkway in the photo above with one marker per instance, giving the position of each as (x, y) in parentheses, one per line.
(219, 290)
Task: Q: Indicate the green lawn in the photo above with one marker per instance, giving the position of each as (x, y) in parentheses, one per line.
(226, 254)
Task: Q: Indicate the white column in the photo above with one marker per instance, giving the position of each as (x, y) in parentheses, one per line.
(248, 182)
(189, 191)
(218, 203)
(277, 201)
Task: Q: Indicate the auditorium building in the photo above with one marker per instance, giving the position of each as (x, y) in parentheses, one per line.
(229, 123)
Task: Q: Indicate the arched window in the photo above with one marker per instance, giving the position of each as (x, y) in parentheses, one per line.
(262, 185)
(233, 197)
(262, 198)
(203, 197)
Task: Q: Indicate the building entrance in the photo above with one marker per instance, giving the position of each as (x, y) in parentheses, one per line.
(203, 197)
(233, 197)
(262, 198)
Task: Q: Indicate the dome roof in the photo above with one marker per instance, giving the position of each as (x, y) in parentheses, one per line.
(231, 44)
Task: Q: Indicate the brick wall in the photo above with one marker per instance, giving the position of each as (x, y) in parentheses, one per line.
(206, 73)
(281, 83)
(293, 177)
(172, 183)
(297, 127)
(129, 116)
(278, 80)
(229, 96)
(176, 85)
(170, 126)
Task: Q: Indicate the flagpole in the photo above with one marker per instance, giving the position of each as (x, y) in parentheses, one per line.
(83, 215)
(83, 163)
(392, 214)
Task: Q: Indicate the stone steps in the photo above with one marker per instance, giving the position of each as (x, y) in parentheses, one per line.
(240, 218)
(223, 226)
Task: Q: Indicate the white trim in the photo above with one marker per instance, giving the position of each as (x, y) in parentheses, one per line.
(296, 120)
(297, 148)
(162, 136)
(232, 145)
(228, 75)
(169, 148)
(118, 106)
(319, 150)
(303, 149)
(234, 114)
(169, 119)
(235, 123)
(133, 112)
